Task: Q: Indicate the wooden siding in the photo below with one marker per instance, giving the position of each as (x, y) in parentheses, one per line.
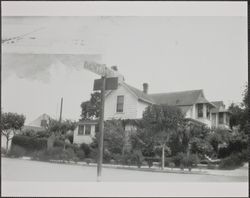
(129, 108)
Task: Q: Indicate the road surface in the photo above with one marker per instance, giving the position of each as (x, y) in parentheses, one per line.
(26, 170)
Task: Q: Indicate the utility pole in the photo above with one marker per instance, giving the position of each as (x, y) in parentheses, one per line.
(101, 128)
(60, 119)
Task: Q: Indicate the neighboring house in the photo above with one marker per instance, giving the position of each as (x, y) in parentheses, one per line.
(37, 125)
(220, 116)
(129, 103)
(85, 131)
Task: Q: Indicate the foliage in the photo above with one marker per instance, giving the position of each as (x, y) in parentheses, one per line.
(55, 153)
(58, 143)
(91, 108)
(10, 123)
(233, 161)
(86, 149)
(61, 128)
(80, 154)
(30, 144)
(16, 151)
(201, 147)
(114, 136)
(236, 144)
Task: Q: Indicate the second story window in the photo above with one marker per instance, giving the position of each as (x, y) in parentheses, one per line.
(200, 110)
(120, 104)
(208, 112)
(220, 118)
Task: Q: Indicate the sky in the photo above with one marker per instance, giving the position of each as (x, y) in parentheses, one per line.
(169, 53)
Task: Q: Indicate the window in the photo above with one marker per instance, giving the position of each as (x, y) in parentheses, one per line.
(200, 110)
(97, 128)
(227, 119)
(87, 129)
(208, 112)
(220, 118)
(80, 129)
(120, 103)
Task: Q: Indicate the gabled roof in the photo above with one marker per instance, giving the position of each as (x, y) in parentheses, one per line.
(140, 94)
(219, 107)
(181, 98)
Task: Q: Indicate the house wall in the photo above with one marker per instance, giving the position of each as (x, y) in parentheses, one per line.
(189, 113)
(129, 108)
(87, 139)
(204, 119)
(141, 106)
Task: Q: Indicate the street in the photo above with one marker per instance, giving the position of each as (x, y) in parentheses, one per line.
(27, 171)
(32, 178)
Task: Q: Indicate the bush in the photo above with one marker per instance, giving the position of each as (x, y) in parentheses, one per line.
(80, 154)
(56, 153)
(86, 149)
(177, 159)
(231, 162)
(30, 144)
(58, 143)
(16, 151)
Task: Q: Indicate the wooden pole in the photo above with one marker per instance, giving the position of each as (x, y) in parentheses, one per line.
(60, 119)
(101, 128)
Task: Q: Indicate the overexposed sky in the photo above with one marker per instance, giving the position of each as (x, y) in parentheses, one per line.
(170, 53)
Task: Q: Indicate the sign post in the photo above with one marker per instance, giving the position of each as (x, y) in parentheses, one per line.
(101, 128)
(101, 84)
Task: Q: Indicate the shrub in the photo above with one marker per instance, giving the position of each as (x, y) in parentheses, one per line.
(30, 144)
(231, 162)
(58, 143)
(177, 159)
(86, 149)
(80, 154)
(16, 151)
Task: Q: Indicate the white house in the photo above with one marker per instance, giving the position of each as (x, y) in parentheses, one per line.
(128, 102)
(220, 115)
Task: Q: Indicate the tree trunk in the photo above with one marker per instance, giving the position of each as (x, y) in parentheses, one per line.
(163, 157)
(7, 144)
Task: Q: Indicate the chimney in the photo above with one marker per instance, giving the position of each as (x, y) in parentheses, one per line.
(114, 68)
(145, 88)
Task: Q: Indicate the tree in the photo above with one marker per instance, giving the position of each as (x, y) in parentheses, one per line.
(60, 129)
(163, 121)
(91, 108)
(10, 123)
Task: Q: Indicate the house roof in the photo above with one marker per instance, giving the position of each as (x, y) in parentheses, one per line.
(180, 98)
(34, 128)
(140, 94)
(37, 122)
(219, 107)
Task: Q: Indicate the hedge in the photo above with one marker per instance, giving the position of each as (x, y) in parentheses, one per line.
(29, 143)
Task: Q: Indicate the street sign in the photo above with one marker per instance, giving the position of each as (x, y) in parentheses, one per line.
(111, 84)
(99, 69)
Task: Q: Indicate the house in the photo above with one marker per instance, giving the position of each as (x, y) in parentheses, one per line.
(37, 125)
(220, 115)
(85, 131)
(129, 103)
